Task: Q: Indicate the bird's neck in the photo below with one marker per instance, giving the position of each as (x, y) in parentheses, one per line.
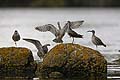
(16, 33)
(39, 49)
(59, 26)
(69, 28)
(45, 46)
(93, 35)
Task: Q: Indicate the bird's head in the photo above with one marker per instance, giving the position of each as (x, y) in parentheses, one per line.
(82, 21)
(93, 31)
(47, 44)
(58, 23)
(36, 28)
(16, 31)
(69, 22)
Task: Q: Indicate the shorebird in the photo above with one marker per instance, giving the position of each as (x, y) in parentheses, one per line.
(59, 33)
(42, 50)
(16, 37)
(95, 40)
(72, 33)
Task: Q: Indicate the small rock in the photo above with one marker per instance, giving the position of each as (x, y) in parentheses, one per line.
(55, 75)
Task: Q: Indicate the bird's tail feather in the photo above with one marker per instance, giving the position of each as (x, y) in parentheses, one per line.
(104, 45)
(58, 40)
(79, 36)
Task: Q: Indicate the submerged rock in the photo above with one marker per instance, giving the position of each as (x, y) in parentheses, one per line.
(16, 62)
(55, 75)
(117, 61)
(73, 60)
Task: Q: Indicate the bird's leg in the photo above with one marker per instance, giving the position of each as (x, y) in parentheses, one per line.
(73, 40)
(15, 44)
(96, 47)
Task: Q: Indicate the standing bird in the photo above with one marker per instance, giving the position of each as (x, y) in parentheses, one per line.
(97, 41)
(16, 37)
(59, 33)
(72, 33)
(42, 50)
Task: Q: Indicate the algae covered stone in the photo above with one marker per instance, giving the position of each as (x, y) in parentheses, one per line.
(73, 60)
(15, 61)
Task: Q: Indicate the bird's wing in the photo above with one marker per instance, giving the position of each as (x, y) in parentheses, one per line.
(37, 44)
(99, 41)
(48, 27)
(75, 24)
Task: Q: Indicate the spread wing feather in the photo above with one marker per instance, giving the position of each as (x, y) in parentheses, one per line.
(75, 24)
(37, 44)
(48, 27)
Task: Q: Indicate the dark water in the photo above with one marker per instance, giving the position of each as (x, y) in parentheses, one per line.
(105, 21)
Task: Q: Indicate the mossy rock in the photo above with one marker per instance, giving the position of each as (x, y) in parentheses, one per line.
(16, 61)
(73, 60)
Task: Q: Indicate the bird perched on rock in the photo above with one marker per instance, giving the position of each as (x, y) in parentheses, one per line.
(59, 33)
(72, 33)
(42, 50)
(97, 41)
(16, 37)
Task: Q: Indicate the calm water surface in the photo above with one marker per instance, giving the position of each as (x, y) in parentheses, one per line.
(106, 23)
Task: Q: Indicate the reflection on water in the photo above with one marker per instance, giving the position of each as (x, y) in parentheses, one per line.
(93, 77)
(106, 23)
(15, 78)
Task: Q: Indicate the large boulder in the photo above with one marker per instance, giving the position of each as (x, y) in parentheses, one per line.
(16, 62)
(72, 60)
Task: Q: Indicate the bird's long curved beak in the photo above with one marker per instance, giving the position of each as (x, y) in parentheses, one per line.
(89, 31)
(82, 21)
(48, 44)
(36, 28)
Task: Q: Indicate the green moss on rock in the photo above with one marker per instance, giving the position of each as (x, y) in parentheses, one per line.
(16, 61)
(73, 60)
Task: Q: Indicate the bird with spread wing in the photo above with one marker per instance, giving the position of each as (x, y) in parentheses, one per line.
(59, 33)
(42, 50)
(72, 33)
